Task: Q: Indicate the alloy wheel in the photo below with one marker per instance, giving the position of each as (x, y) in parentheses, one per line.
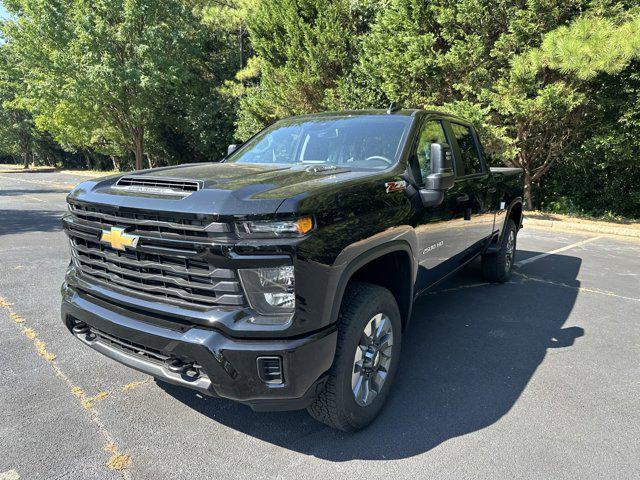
(510, 250)
(372, 359)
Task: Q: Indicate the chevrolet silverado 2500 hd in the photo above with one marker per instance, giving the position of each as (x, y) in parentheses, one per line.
(283, 277)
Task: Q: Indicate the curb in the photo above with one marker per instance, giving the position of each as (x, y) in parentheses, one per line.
(584, 227)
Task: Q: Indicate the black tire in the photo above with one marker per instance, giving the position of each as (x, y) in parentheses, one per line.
(336, 404)
(497, 267)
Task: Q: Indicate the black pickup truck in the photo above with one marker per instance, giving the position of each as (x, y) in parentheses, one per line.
(283, 277)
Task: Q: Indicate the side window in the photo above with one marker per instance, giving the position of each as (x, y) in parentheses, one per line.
(432, 132)
(468, 149)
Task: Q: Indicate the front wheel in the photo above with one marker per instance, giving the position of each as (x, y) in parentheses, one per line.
(498, 266)
(367, 354)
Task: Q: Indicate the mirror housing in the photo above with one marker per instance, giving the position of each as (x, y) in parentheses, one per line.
(442, 177)
(232, 148)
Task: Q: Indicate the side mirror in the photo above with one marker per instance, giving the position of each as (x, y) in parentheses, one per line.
(231, 148)
(442, 177)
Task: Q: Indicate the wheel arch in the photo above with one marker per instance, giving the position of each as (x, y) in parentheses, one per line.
(390, 265)
(515, 212)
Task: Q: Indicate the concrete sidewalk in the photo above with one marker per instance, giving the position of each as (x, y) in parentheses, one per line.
(575, 224)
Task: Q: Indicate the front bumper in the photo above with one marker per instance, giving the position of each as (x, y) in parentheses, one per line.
(226, 367)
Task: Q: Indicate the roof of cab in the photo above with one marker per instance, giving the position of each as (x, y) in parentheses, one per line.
(408, 112)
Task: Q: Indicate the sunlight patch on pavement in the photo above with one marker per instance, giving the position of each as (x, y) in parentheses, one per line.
(65, 186)
(558, 250)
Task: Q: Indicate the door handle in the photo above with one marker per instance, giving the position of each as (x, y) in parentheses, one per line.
(463, 198)
(492, 189)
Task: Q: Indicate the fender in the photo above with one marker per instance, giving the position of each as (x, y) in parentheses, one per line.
(363, 259)
(493, 245)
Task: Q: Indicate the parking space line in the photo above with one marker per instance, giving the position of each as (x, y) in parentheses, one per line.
(10, 475)
(558, 250)
(529, 278)
(118, 461)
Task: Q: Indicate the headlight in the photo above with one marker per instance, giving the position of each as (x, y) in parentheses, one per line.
(270, 291)
(268, 228)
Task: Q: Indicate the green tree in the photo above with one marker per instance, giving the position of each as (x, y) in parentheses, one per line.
(101, 71)
(549, 95)
(17, 132)
(302, 48)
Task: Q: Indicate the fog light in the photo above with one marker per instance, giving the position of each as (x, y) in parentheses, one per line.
(270, 291)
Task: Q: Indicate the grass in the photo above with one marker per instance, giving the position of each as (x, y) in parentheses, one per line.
(11, 167)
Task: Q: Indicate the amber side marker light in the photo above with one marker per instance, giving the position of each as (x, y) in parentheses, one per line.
(304, 225)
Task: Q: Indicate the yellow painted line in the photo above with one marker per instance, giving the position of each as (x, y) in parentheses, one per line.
(558, 250)
(575, 287)
(528, 278)
(117, 461)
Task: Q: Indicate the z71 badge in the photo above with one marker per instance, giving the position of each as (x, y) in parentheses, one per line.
(395, 186)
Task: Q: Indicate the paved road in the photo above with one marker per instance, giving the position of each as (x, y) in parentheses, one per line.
(537, 378)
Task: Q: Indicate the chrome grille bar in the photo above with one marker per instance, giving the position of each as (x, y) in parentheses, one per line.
(174, 270)
(167, 291)
(112, 257)
(109, 219)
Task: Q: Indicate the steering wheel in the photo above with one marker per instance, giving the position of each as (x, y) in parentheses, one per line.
(379, 157)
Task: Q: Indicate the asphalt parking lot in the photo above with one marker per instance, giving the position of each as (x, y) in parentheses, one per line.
(536, 378)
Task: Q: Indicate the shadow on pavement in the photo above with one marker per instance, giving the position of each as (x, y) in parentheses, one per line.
(13, 222)
(467, 356)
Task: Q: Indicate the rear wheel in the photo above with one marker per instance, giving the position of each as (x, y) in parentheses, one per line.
(497, 267)
(366, 360)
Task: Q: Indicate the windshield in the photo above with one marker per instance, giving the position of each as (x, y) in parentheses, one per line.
(363, 142)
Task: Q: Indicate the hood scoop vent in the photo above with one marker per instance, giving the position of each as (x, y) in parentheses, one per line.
(158, 186)
(321, 168)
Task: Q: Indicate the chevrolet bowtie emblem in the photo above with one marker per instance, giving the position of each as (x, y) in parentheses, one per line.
(118, 239)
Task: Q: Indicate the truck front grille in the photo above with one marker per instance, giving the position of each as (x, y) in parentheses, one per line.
(169, 262)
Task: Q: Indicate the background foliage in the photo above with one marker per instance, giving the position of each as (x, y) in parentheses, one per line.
(553, 86)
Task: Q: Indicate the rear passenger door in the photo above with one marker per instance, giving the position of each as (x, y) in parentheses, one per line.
(474, 184)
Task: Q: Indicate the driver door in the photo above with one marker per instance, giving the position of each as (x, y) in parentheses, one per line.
(440, 229)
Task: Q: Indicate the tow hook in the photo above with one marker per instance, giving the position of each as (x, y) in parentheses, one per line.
(187, 369)
(80, 328)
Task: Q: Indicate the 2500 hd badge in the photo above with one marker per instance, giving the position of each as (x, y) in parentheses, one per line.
(283, 276)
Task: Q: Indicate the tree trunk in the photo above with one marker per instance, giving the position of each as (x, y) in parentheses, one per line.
(528, 191)
(138, 146)
(117, 162)
(241, 47)
(27, 155)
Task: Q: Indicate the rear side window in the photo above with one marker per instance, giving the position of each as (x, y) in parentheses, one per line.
(432, 132)
(468, 148)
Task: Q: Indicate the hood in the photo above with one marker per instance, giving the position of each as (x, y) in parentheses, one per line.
(225, 189)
